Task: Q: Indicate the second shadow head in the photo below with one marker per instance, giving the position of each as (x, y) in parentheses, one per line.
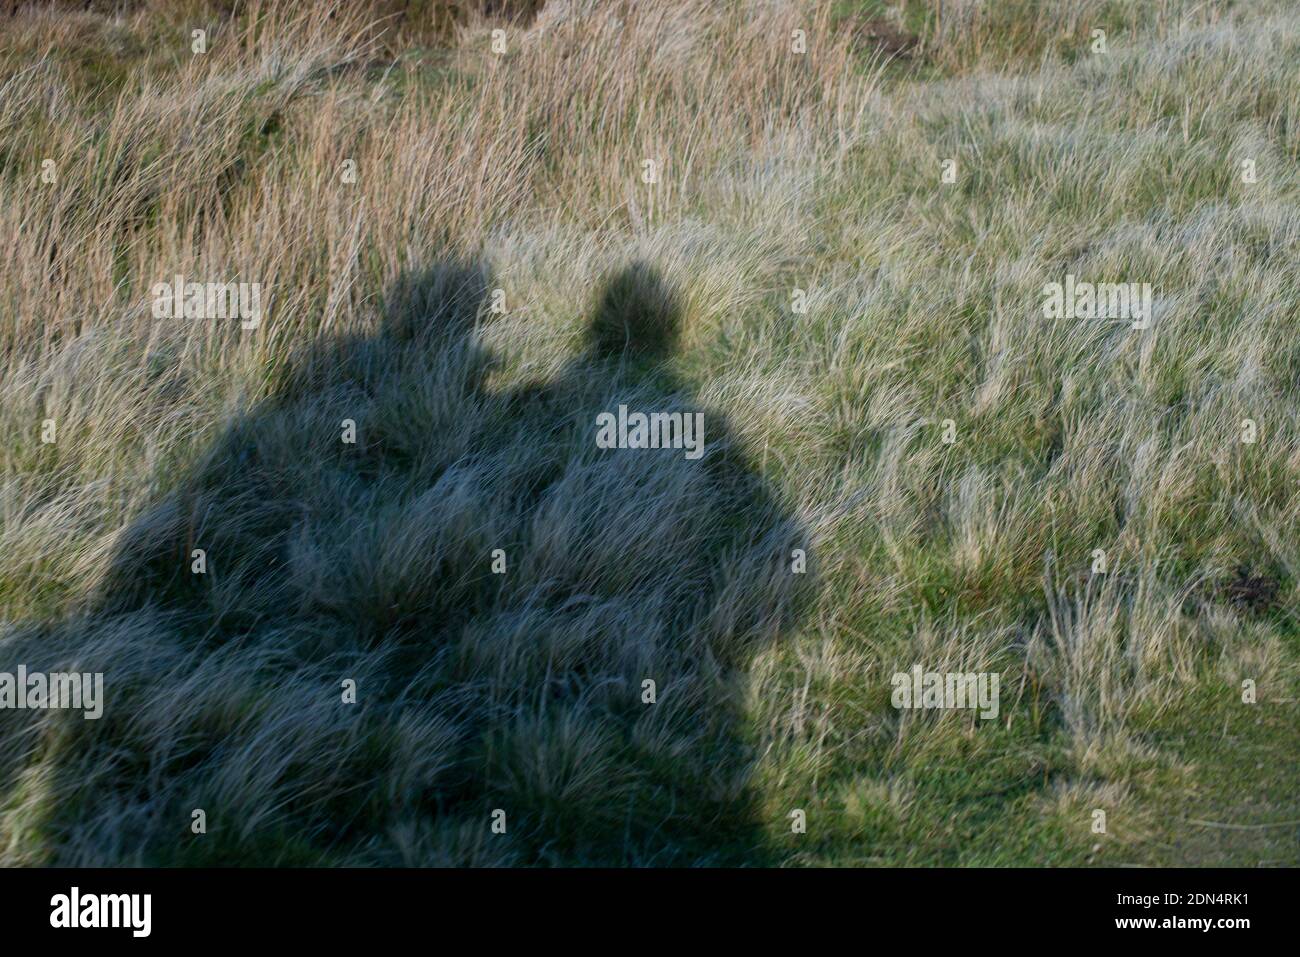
(638, 316)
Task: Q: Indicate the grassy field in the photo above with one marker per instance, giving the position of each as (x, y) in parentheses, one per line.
(365, 589)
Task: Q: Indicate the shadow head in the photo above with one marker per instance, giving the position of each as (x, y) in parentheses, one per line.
(639, 315)
(439, 304)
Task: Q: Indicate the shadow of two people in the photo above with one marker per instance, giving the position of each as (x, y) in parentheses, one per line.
(578, 619)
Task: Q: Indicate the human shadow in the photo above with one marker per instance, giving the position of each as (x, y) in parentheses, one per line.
(398, 615)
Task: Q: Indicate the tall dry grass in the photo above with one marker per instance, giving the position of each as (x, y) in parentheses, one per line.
(522, 172)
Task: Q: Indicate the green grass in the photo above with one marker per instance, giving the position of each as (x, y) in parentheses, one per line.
(523, 692)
